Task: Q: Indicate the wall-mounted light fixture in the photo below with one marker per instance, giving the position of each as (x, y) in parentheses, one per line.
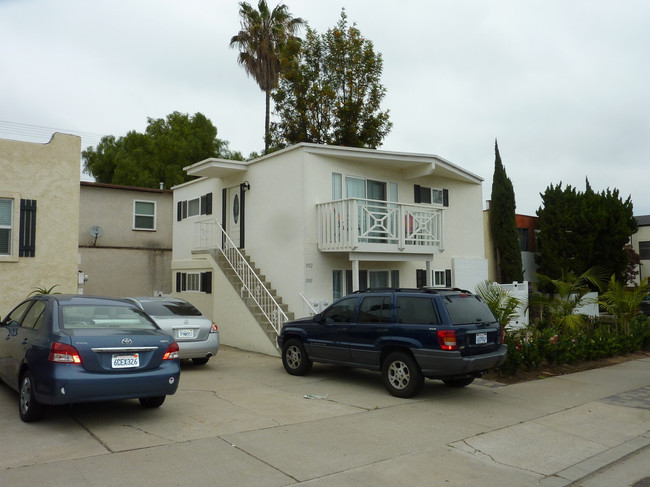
(245, 186)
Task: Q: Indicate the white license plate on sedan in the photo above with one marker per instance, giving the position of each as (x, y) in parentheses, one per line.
(125, 361)
(186, 333)
(481, 338)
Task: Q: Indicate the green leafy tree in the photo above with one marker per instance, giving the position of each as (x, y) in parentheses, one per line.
(159, 154)
(263, 34)
(330, 91)
(503, 227)
(580, 230)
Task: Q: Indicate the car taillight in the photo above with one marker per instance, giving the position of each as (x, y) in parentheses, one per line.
(447, 339)
(64, 354)
(172, 352)
(214, 328)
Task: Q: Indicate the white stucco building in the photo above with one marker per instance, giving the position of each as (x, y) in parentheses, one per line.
(318, 222)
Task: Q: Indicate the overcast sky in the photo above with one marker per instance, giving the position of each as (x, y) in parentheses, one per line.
(564, 85)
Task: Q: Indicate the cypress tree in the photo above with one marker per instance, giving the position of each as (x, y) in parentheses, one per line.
(503, 227)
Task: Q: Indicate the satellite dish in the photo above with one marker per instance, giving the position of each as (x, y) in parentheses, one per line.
(96, 231)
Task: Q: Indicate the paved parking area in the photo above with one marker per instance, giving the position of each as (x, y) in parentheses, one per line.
(242, 421)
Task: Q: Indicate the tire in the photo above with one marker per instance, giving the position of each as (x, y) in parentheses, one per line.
(458, 382)
(28, 407)
(200, 360)
(152, 402)
(294, 358)
(401, 375)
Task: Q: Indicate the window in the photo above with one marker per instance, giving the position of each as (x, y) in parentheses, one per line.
(6, 224)
(337, 284)
(144, 215)
(375, 309)
(644, 250)
(436, 196)
(367, 279)
(416, 310)
(34, 316)
(524, 244)
(341, 312)
(194, 281)
(194, 207)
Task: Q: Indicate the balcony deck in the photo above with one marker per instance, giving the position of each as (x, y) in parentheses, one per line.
(362, 225)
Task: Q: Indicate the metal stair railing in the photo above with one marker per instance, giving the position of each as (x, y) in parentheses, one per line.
(211, 235)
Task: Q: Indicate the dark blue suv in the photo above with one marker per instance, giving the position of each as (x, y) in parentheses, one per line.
(407, 334)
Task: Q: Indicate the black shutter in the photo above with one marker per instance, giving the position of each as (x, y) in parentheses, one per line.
(208, 204)
(27, 236)
(178, 282)
(445, 197)
(179, 211)
(363, 280)
(448, 277)
(183, 281)
(224, 203)
(420, 278)
(204, 204)
(206, 282)
(416, 194)
(348, 281)
(184, 209)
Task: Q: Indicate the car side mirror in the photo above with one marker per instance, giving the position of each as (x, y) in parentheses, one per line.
(318, 317)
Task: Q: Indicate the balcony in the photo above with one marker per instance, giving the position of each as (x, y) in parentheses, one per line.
(362, 225)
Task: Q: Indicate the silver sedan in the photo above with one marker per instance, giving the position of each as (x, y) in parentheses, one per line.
(196, 335)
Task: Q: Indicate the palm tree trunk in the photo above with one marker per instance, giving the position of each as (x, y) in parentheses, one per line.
(267, 134)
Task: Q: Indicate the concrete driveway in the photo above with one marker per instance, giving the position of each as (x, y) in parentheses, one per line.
(242, 421)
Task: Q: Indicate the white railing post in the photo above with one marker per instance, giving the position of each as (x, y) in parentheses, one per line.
(209, 235)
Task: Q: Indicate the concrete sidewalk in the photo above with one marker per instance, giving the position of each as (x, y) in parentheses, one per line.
(242, 421)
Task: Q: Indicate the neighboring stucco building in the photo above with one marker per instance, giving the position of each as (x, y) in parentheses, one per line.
(641, 244)
(526, 229)
(315, 223)
(39, 216)
(125, 239)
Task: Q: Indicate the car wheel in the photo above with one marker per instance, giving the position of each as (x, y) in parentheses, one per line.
(152, 402)
(401, 375)
(458, 382)
(200, 361)
(29, 408)
(294, 358)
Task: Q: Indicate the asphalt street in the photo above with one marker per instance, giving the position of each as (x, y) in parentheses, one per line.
(241, 420)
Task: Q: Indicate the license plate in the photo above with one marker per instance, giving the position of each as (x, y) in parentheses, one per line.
(121, 361)
(186, 333)
(481, 338)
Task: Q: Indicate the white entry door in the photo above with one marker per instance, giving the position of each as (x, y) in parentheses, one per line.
(234, 214)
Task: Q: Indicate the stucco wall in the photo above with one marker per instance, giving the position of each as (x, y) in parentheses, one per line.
(124, 261)
(49, 174)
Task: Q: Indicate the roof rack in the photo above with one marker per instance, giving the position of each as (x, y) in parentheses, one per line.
(425, 289)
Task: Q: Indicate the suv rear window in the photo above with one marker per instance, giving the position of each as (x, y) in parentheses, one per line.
(468, 309)
(415, 310)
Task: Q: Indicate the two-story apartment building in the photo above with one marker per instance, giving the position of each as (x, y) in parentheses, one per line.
(125, 240)
(39, 215)
(312, 223)
(641, 244)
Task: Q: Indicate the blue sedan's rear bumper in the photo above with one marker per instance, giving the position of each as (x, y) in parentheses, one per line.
(68, 384)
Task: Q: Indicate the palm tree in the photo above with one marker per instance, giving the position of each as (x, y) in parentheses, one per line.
(263, 34)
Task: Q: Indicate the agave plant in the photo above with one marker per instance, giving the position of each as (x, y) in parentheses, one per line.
(43, 290)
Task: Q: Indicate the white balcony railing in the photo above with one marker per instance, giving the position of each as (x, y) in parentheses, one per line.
(356, 224)
(209, 235)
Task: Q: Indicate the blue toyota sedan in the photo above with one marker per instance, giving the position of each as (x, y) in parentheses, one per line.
(64, 349)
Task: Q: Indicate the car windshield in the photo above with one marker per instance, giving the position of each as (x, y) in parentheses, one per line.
(467, 309)
(170, 308)
(103, 316)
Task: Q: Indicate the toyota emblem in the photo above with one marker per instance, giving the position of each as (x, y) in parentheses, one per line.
(127, 341)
